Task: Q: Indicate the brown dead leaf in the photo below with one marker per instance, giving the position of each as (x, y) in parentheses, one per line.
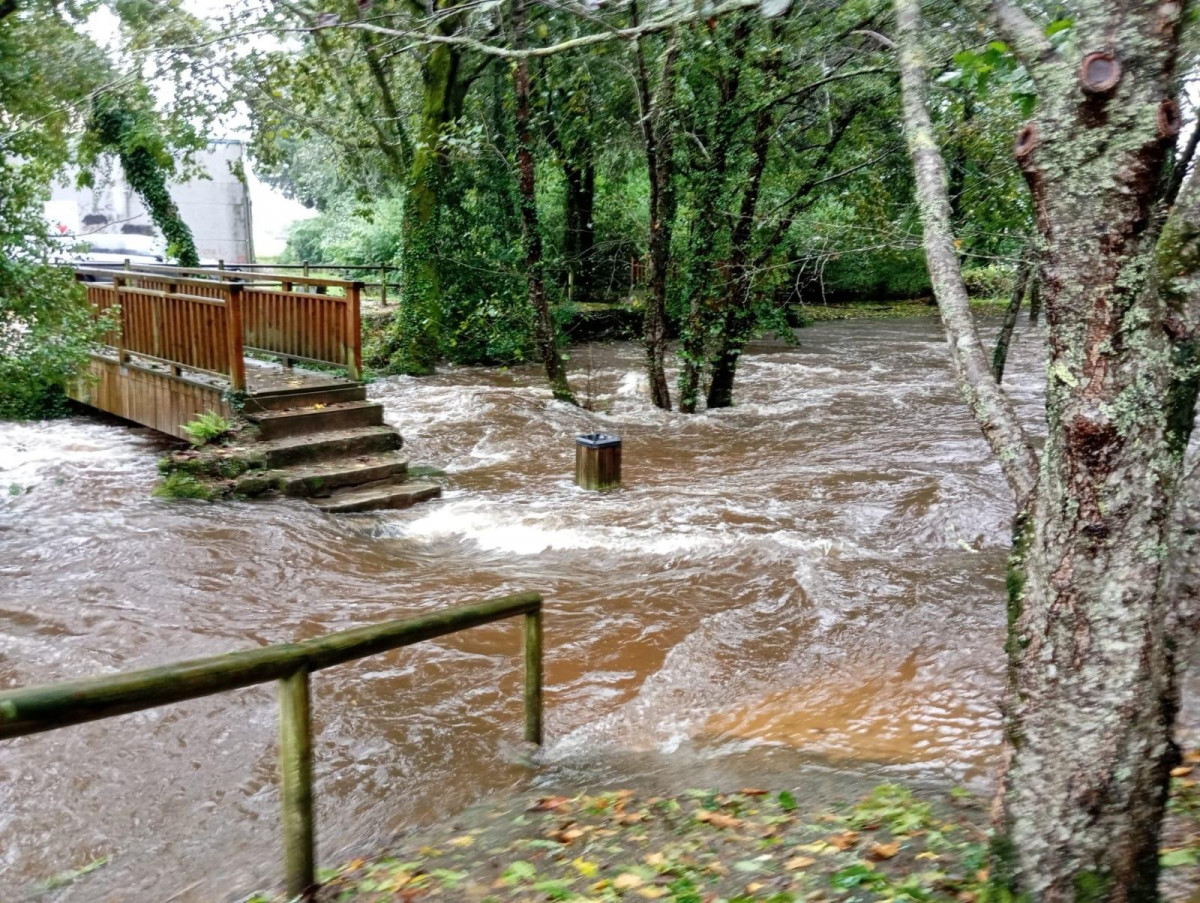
(567, 834)
(627, 881)
(717, 869)
(1192, 756)
(718, 819)
(549, 803)
(845, 840)
(1181, 771)
(654, 859)
(753, 791)
(881, 851)
(796, 863)
(652, 893)
(631, 818)
(754, 887)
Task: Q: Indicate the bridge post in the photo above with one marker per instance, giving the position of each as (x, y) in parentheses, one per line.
(354, 330)
(120, 330)
(233, 337)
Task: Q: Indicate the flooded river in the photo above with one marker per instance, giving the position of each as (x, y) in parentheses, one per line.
(807, 584)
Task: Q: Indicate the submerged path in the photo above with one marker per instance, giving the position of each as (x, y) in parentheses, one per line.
(807, 585)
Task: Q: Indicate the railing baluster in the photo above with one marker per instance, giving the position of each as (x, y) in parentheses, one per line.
(296, 790)
(533, 676)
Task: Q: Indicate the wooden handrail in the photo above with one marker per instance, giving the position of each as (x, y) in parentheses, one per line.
(238, 275)
(30, 710)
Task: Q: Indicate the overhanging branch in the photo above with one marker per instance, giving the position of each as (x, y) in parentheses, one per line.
(988, 403)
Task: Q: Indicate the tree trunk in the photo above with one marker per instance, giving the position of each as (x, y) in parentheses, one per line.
(1020, 282)
(414, 337)
(545, 334)
(1035, 296)
(738, 319)
(658, 131)
(580, 234)
(1092, 665)
(699, 280)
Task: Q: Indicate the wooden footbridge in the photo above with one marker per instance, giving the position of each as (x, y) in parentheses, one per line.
(187, 341)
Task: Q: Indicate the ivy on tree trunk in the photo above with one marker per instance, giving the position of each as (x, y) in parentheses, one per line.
(121, 129)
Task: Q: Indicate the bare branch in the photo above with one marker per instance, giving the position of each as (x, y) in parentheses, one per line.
(1019, 31)
(990, 406)
(664, 23)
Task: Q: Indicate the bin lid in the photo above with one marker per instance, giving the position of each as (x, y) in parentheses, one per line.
(597, 440)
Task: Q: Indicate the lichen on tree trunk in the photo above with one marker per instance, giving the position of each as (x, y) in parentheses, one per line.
(1093, 637)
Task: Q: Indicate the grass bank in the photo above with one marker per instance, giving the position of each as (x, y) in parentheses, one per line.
(705, 846)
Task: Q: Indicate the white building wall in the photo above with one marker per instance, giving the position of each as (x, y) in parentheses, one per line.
(216, 209)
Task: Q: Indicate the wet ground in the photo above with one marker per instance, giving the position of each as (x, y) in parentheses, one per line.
(808, 584)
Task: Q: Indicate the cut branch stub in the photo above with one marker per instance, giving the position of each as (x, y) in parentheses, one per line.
(1099, 73)
(1169, 119)
(1027, 140)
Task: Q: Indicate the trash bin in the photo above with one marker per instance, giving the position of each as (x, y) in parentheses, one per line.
(598, 461)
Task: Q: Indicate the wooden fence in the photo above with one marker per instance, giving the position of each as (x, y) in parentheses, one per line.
(205, 319)
(31, 710)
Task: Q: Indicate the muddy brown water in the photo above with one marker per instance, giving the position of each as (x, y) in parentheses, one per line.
(806, 588)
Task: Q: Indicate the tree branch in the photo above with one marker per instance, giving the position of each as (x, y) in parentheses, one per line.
(664, 23)
(990, 406)
(1019, 31)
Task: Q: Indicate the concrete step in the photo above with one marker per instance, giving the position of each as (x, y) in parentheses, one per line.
(373, 498)
(365, 440)
(321, 478)
(305, 398)
(302, 421)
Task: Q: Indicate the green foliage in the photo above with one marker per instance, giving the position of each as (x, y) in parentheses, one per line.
(126, 125)
(989, 281)
(45, 324)
(206, 427)
(180, 485)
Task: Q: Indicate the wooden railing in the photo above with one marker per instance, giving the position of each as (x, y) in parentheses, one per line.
(269, 313)
(31, 710)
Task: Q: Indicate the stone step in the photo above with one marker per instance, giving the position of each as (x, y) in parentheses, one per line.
(304, 398)
(321, 478)
(365, 440)
(373, 498)
(302, 421)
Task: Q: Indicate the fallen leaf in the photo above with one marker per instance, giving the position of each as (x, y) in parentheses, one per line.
(654, 859)
(549, 803)
(627, 881)
(718, 819)
(585, 868)
(1181, 771)
(652, 893)
(845, 840)
(754, 887)
(463, 841)
(568, 834)
(880, 851)
(796, 863)
(753, 791)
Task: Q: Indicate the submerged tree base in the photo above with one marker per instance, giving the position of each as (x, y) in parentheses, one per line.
(704, 845)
